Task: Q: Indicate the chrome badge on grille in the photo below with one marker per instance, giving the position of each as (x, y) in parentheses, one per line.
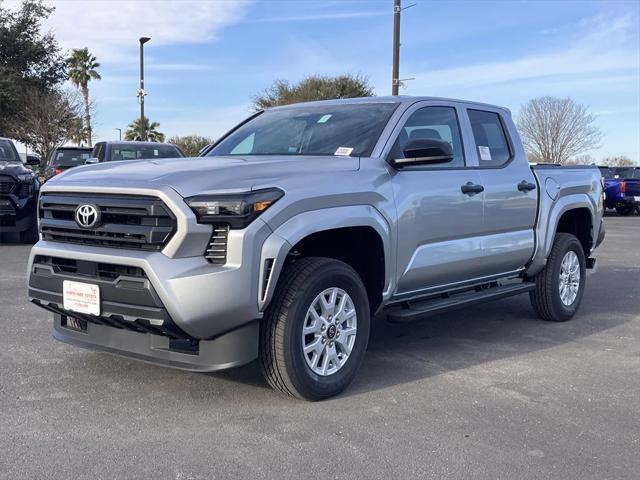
(87, 216)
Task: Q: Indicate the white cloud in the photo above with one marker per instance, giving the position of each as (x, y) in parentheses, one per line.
(600, 46)
(111, 28)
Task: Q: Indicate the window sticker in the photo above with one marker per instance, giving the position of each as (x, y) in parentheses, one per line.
(324, 118)
(344, 151)
(485, 153)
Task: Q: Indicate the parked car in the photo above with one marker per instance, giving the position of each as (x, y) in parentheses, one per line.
(622, 189)
(63, 158)
(19, 190)
(303, 223)
(133, 150)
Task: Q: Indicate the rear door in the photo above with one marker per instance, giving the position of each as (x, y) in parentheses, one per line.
(510, 191)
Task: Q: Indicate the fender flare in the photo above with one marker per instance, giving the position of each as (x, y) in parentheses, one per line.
(549, 223)
(278, 245)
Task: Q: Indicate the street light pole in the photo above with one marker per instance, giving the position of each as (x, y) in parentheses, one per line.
(141, 93)
(119, 133)
(395, 76)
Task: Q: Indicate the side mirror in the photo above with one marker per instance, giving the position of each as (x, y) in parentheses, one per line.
(423, 151)
(33, 161)
(91, 161)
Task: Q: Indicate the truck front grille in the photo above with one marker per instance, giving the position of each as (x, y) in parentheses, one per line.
(217, 249)
(127, 221)
(6, 184)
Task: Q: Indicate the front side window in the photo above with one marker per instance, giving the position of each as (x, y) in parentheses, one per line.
(434, 123)
(491, 143)
(346, 130)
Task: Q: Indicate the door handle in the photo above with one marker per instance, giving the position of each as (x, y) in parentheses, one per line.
(469, 188)
(525, 186)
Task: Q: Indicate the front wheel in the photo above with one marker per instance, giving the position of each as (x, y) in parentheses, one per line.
(560, 285)
(315, 332)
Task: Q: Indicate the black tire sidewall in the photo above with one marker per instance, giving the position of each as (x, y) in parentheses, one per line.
(310, 384)
(571, 244)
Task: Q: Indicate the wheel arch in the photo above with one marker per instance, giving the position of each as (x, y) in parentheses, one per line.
(575, 214)
(328, 232)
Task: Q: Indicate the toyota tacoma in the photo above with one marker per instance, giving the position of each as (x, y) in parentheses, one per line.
(302, 224)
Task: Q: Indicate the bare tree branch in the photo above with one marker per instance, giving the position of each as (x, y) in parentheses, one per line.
(557, 130)
(48, 119)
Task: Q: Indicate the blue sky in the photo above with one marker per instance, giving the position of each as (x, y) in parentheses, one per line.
(207, 59)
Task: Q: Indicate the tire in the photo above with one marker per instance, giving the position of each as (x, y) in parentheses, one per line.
(624, 211)
(31, 234)
(284, 363)
(546, 298)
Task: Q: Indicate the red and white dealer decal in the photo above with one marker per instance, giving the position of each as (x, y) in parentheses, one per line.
(81, 297)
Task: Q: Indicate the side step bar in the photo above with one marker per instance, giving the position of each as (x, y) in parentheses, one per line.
(425, 308)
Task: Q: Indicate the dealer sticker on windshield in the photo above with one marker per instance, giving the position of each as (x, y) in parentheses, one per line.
(344, 151)
(81, 297)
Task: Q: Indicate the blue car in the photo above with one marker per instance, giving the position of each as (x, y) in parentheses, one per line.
(622, 189)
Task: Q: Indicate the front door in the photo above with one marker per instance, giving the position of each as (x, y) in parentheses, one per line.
(438, 225)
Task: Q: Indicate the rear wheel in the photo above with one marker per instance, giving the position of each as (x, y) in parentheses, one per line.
(560, 285)
(315, 331)
(624, 211)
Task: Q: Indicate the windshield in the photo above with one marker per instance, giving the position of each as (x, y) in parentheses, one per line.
(8, 152)
(140, 152)
(349, 130)
(70, 157)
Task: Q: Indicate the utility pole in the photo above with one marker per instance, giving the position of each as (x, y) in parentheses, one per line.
(141, 92)
(395, 76)
(119, 133)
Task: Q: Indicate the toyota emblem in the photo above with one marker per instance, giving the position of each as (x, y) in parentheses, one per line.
(87, 216)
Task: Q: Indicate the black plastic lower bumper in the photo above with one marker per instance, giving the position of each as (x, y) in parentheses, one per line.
(128, 300)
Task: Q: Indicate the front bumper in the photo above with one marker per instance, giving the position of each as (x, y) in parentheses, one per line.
(232, 349)
(180, 297)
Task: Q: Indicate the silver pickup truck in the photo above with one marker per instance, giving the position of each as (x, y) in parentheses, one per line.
(300, 225)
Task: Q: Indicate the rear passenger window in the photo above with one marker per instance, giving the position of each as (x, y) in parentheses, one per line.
(436, 123)
(491, 143)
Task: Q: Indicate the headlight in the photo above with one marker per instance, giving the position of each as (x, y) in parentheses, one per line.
(25, 177)
(238, 210)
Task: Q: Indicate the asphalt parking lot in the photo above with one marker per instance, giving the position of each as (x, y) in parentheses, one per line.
(490, 393)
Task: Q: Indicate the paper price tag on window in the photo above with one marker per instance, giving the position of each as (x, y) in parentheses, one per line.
(344, 151)
(485, 153)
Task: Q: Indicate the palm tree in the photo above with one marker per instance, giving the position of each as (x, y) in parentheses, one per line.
(82, 69)
(152, 133)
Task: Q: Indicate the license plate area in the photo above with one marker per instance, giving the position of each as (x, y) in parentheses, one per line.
(74, 324)
(81, 297)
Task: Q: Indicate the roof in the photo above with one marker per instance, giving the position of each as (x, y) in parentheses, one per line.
(406, 99)
(74, 148)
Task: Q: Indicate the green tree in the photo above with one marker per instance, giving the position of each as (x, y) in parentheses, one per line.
(29, 59)
(82, 69)
(150, 129)
(190, 144)
(314, 87)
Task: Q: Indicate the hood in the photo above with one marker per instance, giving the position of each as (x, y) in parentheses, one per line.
(194, 176)
(13, 168)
